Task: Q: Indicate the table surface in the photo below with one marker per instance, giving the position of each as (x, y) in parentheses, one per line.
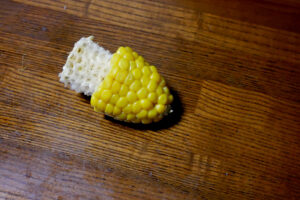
(234, 67)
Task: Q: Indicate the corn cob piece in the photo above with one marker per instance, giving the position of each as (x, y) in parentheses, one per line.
(122, 85)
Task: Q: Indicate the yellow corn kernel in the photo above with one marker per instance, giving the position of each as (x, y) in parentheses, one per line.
(153, 69)
(162, 82)
(117, 111)
(128, 49)
(105, 95)
(131, 97)
(137, 73)
(160, 108)
(136, 107)
(122, 102)
(123, 90)
(109, 109)
(136, 85)
(142, 114)
(170, 99)
(130, 117)
(128, 56)
(145, 80)
(146, 121)
(152, 97)
(101, 105)
(121, 116)
(98, 92)
(135, 55)
(132, 65)
(152, 85)
(124, 64)
(162, 99)
(129, 79)
(146, 104)
(93, 101)
(121, 75)
(159, 90)
(146, 71)
(155, 76)
(121, 50)
(114, 59)
(152, 113)
(142, 93)
(127, 109)
(114, 71)
(166, 90)
(115, 87)
(114, 98)
(107, 82)
(139, 62)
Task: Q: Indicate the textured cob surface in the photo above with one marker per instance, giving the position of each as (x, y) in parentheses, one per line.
(122, 85)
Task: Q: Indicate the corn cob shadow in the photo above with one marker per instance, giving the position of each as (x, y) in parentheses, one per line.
(168, 121)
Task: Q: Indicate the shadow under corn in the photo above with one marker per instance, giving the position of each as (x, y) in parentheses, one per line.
(168, 121)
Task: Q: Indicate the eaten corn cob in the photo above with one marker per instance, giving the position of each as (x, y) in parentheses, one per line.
(122, 85)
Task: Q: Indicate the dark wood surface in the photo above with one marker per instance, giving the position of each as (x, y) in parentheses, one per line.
(234, 65)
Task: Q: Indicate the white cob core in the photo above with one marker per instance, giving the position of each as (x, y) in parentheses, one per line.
(86, 66)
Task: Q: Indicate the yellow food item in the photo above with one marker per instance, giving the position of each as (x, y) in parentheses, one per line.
(123, 85)
(133, 91)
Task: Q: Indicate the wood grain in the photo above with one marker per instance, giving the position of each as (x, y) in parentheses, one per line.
(235, 68)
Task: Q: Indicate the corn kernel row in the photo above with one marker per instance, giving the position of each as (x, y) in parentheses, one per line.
(133, 91)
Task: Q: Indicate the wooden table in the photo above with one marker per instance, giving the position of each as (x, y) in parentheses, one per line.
(233, 65)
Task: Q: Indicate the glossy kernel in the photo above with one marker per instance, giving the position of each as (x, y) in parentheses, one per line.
(152, 97)
(109, 109)
(129, 79)
(93, 101)
(160, 108)
(142, 114)
(136, 107)
(146, 71)
(115, 87)
(159, 90)
(128, 56)
(152, 85)
(124, 64)
(162, 99)
(153, 69)
(115, 59)
(145, 80)
(136, 85)
(117, 111)
(152, 113)
(122, 74)
(142, 93)
(127, 109)
(146, 104)
(122, 102)
(131, 97)
(155, 76)
(123, 90)
(121, 50)
(137, 73)
(105, 95)
(101, 105)
(114, 98)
